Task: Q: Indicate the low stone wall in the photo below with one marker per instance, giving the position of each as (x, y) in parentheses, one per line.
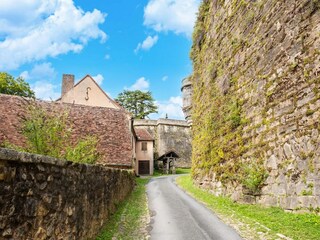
(46, 198)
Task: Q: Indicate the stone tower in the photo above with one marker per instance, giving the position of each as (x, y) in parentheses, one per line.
(186, 90)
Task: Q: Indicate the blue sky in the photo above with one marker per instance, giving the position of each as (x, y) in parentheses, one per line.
(123, 44)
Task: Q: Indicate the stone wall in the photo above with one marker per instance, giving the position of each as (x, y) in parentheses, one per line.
(47, 198)
(256, 100)
(111, 126)
(169, 135)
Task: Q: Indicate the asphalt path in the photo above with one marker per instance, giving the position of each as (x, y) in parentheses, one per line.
(175, 215)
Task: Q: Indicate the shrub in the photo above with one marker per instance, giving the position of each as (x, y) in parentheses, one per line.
(50, 134)
(254, 176)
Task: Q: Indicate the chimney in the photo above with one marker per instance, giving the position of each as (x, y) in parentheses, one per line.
(67, 83)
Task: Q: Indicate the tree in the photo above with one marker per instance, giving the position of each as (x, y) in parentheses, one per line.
(139, 103)
(11, 86)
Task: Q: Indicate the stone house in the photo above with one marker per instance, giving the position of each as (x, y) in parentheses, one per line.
(85, 92)
(169, 136)
(144, 146)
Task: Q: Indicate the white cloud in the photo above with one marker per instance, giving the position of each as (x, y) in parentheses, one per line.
(164, 78)
(148, 43)
(99, 78)
(45, 90)
(35, 30)
(25, 75)
(41, 75)
(141, 84)
(42, 71)
(107, 56)
(171, 108)
(171, 15)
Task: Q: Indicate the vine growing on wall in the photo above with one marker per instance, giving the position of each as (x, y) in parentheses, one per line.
(218, 119)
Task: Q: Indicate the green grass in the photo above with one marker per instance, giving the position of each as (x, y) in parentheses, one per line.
(131, 217)
(158, 172)
(256, 221)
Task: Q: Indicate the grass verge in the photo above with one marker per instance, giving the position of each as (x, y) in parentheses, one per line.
(131, 218)
(158, 172)
(256, 221)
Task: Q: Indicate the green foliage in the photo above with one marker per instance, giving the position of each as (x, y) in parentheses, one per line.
(84, 152)
(139, 103)
(254, 177)
(11, 86)
(235, 114)
(50, 135)
(255, 221)
(46, 134)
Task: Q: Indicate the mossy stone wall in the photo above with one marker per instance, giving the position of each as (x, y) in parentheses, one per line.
(256, 100)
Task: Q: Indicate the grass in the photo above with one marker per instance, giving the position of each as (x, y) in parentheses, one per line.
(158, 172)
(255, 221)
(131, 217)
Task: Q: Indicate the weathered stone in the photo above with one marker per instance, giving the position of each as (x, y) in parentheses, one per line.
(287, 150)
(7, 232)
(272, 162)
(73, 205)
(274, 67)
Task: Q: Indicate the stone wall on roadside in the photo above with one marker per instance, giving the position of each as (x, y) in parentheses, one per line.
(256, 100)
(111, 126)
(47, 198)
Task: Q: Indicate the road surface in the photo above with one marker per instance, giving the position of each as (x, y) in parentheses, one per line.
(175, 215)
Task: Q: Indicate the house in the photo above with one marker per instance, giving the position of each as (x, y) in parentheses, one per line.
(85, 92)
(144, 145)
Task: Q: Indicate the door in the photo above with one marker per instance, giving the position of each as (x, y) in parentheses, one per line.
(144, 167)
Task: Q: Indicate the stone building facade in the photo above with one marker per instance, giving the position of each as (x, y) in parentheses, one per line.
(169, 135)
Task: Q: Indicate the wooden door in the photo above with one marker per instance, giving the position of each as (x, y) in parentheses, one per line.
(144, 167)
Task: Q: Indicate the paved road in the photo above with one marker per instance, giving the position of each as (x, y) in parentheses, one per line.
(176, 215)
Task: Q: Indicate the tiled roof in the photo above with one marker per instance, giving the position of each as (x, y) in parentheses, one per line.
(143, 134)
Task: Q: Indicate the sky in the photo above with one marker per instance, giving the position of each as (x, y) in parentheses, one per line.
(124, 45)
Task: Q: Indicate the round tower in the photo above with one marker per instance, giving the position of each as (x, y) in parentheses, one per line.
(186, 90)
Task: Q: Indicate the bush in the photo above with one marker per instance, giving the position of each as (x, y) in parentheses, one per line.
(254, 177)
(50, 134)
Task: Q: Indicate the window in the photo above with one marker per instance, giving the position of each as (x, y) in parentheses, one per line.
(144, 146)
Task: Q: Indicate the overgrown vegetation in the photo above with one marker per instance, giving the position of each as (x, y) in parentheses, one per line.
(254, 177)
(50, 134)
(254, 221)
(131, 218)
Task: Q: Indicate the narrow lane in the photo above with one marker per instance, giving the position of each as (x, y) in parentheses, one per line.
(176, 215)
